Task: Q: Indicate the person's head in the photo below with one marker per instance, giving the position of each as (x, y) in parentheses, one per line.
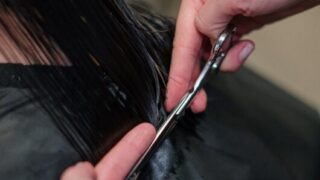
(116, 55)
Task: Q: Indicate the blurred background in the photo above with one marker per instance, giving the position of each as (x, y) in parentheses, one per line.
(287, 52)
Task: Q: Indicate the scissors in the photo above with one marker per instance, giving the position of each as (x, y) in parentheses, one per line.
(218, 53)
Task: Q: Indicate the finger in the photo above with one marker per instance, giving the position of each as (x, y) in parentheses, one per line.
(199, 103)
(119, 161)
(235, 58)
(237, 55)
(186, 52)
(213, 17)
(80, 171)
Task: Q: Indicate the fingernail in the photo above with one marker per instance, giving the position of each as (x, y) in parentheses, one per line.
(246, 51)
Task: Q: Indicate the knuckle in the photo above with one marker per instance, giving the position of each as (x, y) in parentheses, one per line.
(202, 27)
(185, 51)
(180, 81)
(243, 7)
(206, 28)
(182, 47)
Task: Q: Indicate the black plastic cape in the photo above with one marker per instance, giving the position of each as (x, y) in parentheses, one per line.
(250, 130)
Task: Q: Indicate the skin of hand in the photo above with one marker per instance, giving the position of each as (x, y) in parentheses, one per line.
(198, 21)
(202, 20)
(119, 160)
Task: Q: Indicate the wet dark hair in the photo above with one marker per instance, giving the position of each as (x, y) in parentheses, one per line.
(117, 57)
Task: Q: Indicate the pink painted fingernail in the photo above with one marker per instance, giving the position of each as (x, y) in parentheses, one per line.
(246, 51)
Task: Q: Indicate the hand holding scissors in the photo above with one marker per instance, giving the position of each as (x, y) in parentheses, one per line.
(219, 51)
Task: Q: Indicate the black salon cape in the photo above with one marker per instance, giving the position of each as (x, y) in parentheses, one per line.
(250, 130)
